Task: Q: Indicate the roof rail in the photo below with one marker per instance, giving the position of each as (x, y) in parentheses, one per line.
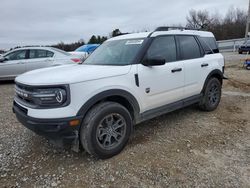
(168, 28)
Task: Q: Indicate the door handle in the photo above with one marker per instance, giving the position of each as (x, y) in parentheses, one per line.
(176, 70)
(48, 60)
(204, 65)
(20, 63)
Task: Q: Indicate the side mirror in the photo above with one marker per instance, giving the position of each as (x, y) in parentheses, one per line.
(156, 61)
(208, 52)
(2, 59)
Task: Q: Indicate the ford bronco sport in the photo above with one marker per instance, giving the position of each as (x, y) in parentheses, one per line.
(127, 80)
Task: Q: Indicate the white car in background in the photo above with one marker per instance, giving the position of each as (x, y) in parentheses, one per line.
(21, 60)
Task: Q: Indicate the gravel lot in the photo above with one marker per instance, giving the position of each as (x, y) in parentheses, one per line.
(181, 149)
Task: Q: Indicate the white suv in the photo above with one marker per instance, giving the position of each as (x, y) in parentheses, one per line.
(127, 80)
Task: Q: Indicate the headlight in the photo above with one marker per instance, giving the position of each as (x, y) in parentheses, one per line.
(50, 97)
(43, 97)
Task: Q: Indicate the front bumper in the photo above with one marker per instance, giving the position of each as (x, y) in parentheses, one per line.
(53, 129)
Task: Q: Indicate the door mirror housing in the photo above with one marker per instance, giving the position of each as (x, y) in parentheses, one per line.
(2, 59)
(155, 61)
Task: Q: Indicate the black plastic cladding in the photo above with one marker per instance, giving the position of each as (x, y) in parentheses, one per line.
(114, 92)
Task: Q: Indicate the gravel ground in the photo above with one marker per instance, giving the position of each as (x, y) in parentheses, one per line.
(186, 148)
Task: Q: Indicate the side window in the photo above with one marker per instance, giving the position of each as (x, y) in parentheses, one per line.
(211, 42)
(189, 47)
(17, 55)
(50, 54)
(40, 54)
(205, 46)
(32, 54)
(163, 47)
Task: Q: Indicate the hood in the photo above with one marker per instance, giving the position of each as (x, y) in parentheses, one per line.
(68, 74)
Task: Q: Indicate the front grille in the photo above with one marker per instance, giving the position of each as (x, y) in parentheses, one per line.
(23, 94)
(24, 110)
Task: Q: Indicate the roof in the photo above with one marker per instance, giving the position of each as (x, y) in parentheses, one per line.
(33, 47)
(157, 33)
(55, 50)
(183, 32)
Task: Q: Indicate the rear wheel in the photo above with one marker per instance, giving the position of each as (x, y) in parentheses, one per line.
(106, 130)
(248, 67)
(212, 95)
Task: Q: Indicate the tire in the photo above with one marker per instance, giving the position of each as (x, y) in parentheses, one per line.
(240, 52)
(248, 67)
(105, 123)
(212, 95)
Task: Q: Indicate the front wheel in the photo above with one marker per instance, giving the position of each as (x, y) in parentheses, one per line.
(106, 130)
(212, 95)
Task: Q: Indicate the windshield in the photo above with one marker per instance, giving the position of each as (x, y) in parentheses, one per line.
(117, 52)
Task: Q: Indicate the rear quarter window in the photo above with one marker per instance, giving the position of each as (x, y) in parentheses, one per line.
(211, 42)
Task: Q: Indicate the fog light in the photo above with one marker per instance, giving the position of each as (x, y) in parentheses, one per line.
(74, 122)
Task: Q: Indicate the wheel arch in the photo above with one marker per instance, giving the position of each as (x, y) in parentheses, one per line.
(115, 95)
(215, 73)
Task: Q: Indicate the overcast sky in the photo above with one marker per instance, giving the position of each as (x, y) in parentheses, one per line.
(40, 22)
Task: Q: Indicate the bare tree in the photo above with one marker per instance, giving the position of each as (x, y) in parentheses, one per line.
(231, 26)
(198, 19)
(234, 24)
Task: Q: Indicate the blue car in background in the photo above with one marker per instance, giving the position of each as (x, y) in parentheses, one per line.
(245, 47)
(85, 50)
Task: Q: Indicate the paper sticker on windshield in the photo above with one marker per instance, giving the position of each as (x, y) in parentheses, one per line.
(131, 42)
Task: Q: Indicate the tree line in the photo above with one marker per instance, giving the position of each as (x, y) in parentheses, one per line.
(93, 40)
(231, 26)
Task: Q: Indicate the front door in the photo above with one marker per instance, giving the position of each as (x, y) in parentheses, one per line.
(161, 85)
(14, 64)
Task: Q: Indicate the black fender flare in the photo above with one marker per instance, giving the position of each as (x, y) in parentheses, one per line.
(215, 73)
(110, 93)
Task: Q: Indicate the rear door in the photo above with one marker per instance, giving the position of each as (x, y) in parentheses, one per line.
(14, 64)
(39, 58)
(196, 65)
(161, 85)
